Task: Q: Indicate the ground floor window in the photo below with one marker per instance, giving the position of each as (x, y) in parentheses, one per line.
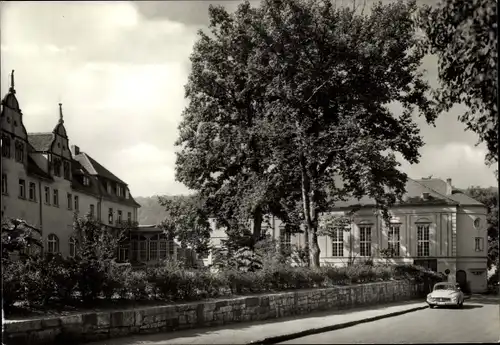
(52, 244)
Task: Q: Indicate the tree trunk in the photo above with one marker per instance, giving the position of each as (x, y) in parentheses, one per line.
(307, 207)
(315, 251)
(257, 224)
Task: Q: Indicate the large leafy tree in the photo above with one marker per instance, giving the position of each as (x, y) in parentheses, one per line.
(187, 221)
(221, 150)
(331, 73)
(464, 36)
(489, 197)
(19, 236)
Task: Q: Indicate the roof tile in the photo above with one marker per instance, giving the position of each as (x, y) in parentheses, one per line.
(40, 141)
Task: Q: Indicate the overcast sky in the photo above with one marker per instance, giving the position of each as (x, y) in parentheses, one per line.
(119, 69)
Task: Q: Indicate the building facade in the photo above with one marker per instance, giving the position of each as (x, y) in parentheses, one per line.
(45, 181)
(435, 226)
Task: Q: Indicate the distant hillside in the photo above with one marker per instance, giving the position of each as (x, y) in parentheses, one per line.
(150, 212)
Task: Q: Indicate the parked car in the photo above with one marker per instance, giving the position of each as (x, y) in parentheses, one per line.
(446, 294)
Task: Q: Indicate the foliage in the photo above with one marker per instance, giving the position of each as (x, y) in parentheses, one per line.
(51, 280)
(489, 197)
(187, 221)
(463, 35)
(19, 236)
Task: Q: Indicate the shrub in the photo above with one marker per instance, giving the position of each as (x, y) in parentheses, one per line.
(12, 284)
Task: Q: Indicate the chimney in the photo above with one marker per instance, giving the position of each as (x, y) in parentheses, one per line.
(449, 187)
(75, 150)
(425, 196)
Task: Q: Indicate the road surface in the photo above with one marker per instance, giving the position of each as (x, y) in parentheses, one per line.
(478, 321)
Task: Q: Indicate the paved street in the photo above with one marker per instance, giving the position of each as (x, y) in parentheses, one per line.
(478, 321)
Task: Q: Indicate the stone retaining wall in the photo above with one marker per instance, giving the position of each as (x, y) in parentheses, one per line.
(96, 326)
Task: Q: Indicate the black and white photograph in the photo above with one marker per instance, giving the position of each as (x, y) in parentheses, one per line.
(249, 172)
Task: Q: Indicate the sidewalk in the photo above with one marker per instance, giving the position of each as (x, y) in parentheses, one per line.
(269, 331)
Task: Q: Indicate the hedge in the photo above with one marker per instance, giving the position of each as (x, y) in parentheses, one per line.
(53, 279)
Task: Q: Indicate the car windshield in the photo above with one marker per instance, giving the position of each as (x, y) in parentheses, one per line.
(444, 287)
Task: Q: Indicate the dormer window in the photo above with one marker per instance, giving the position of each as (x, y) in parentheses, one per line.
(57, 167)
(119, 190)
(108, 187)
(66, 170)
(127, 194)
(19, 151)
(86, 181)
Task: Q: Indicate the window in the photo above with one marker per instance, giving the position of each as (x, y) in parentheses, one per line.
(119, 216)
(52, 244)
(77, 205)
(55, 200)
(5, 146)
(129, 217)
(423, 240)
(72, 247)
(285, 239)
(70, 201)
(47, 195)
(32, 191)
(66, 170)
(4, 184)
(110, 216)
(86, 181)
(479, 244)
(22, 188)
(153, 248)
(118, 190)
(171, 249)
(163, 247)
(143, 254)
(393, 239)
(123, 250)
(108, 187)
(365, 241)
(91, 210)
(477, 223)
(127, 195)
(57, 167)
(338, 242)
(19, 151)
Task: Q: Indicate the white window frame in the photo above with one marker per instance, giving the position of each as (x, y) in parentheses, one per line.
(52, 244)
(72, 247)
(32, 191)
(119, 216)
(110, 215)
(22, 188)
(86, 181)
(123, 252)
(423, 240)
(365, 240)
(285, 238)
(129, 217)
(5, 186)
(394, 239)
(337, 242)
(69, 200)
(47, 195)
(55, 200)
(479, 244)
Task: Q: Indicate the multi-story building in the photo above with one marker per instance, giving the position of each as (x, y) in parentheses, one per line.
(45, 181)
(435, 226)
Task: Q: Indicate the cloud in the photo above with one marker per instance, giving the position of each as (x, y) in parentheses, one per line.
(119, 69)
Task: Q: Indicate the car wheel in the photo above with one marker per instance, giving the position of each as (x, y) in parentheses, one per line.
(431, 306)
(461, 304)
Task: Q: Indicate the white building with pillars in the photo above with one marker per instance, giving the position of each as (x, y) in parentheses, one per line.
(435, 226)
(45, 181)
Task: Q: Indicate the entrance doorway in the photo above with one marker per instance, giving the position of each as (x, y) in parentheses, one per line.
(462, 279)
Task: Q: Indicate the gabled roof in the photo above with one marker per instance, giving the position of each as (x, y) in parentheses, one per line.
(413, 196)
(94, 168)
(464, 199)
(40, 141)
(34, 169)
